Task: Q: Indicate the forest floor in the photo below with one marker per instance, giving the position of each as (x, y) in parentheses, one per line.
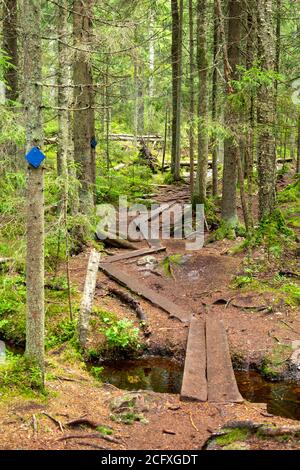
(261, 326)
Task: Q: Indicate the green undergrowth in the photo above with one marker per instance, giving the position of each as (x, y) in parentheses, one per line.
(13, 310)
(282, 287)
(119, 336)
(20, 376)
(229, 231)
(290, 193)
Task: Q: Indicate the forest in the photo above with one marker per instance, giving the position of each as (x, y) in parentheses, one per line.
(149, 225)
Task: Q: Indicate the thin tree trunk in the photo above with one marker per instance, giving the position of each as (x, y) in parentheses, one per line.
(202, 64)
(35, 192)
(165, 141)
(266, 112)
(215, 151)
(177, 14)
(10, 46)
(63, 102)
(192, 95)
(232, 54)
(82, 76)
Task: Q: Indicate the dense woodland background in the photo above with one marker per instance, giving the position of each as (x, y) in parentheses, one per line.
(121, 95)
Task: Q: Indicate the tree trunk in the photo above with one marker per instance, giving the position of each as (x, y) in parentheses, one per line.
(63, 102)
(266, 112)
(83, 101)
(10, 46)
(177, 14)
(35, 192)
(229, 213)
(215, 150)
(192, 96)
(202, 64)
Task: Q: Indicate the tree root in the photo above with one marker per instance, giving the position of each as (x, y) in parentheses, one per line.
(135, 305)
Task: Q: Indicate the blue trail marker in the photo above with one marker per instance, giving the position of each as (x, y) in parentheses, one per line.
(35, 157)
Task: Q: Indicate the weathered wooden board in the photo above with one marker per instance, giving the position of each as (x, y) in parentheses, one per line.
(133, 254)
(194, 384)
(222, 386)
(135, 285)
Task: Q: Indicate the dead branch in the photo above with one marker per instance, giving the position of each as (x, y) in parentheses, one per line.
(88, 436)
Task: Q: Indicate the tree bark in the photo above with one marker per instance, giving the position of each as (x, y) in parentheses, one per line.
(177, 14)
(229, 213)
(202, 64)
(83, 101)
(35, 191)
(63, 102)
(10, 46)
(192, 95)
(214, 104)
(266, 112)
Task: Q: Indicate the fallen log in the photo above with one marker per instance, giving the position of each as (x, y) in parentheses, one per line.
(88, 297)
(110, 239)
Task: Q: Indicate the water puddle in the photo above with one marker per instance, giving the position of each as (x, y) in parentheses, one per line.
(164, 375)
(161, 375)
(282, 398)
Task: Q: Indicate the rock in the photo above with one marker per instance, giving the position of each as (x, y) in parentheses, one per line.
(151, 260)
(193, 275)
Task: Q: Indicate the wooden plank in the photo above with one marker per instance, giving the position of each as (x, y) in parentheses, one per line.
(222, 386)
(133, 254)
(88, 297)
(135, 285)
(194, 384)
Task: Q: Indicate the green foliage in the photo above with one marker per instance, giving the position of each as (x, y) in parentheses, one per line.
(62, 332)
(274, 234)
(290, 193)
(122, 335)
(169, 261)
(12, 308)
(20, 375)
(132, 181)
(106, 431)
(96, 372)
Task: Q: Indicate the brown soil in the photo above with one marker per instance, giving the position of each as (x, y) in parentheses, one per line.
(253, 331)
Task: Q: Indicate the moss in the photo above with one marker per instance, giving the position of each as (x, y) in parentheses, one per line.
(273, 364)
(232, 435)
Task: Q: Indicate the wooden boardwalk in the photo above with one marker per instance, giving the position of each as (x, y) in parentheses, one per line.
(208, 373)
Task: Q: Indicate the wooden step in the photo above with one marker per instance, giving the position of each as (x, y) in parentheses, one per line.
(135, 285)
(133, 254)
(194, 384)
(222, 386)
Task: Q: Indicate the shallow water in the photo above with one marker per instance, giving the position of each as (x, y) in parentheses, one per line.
(164, 375)
(282, 398)
(156, 374)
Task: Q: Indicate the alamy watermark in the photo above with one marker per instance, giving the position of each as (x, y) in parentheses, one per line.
(161, 221)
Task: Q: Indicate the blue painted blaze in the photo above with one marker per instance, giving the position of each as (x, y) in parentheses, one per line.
(35, 157)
